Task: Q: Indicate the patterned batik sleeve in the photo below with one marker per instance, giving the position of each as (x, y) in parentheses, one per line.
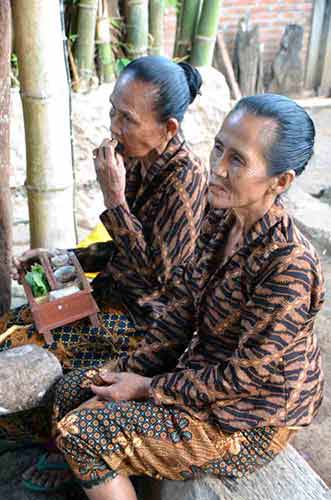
(281, 308)
(176, 226)
(94, 257)
(170, 332)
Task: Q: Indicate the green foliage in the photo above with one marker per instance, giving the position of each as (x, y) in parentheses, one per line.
(120, 64)
(37, 280)
(73, 37)
(171, 3)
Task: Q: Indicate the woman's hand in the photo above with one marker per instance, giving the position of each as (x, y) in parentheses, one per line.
(18, 263)
(122, 386)
(110, 171)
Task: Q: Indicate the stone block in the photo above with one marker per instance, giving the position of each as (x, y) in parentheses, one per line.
(287, 477)
(26, 375)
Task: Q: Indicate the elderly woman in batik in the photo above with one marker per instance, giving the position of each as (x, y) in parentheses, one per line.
(230, 367)
(154, 191)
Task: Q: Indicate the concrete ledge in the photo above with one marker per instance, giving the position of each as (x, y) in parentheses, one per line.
(287, 477)
(312, 217)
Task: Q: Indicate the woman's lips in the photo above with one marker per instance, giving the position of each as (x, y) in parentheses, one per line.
(218, 187)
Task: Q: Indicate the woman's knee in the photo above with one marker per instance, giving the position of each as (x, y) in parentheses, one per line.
(72, 390)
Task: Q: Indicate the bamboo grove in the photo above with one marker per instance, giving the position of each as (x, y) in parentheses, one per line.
(104, 35)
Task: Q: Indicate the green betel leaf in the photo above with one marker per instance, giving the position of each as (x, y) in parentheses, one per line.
(37, 280)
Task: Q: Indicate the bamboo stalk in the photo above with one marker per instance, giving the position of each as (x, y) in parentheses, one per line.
(156, 29)
(85, 45)
(5, 198)
(45, 97)
(179, 15)
(105, 54)
(188, 22)
(137, 26)
(204, 40)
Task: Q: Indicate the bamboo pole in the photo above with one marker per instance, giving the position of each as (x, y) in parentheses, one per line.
(105, 54)
(45, 97)
(5, 199)
(156, 29)
(179, 16)
(204, 40)
(85, 45)
(137, 26)
(188, 22)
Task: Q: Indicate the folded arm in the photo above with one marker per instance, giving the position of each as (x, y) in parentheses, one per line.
(279, 309)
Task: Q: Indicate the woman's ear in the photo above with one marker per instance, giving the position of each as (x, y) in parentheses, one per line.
(283, 182)
(172, 128)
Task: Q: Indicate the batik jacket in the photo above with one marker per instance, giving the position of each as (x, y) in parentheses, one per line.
(233, 342)
(157, 232)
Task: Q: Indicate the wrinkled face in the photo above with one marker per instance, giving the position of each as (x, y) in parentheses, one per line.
(134, 122)
(238, 169)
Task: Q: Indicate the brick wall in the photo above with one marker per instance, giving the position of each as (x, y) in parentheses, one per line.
(271, 15)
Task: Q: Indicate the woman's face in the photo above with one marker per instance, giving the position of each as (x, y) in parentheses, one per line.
(134, 122)
(238, 176)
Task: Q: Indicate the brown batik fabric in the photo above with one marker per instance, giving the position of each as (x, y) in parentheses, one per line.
(102, 439)
(156, 231)
(254, 360)
(78, 345)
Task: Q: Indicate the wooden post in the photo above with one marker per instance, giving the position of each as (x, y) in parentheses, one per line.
(325, 87)
(5, 199)
(247, 57)
(45, 97)
(220, 44)
(315, 44)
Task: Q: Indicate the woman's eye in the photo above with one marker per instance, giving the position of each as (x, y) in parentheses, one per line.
(219, 148)
(236, 160)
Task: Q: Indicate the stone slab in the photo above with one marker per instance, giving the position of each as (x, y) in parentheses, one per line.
(287, 477)
(26, 375)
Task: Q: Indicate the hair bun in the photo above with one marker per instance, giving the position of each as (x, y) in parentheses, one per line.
(193, 78)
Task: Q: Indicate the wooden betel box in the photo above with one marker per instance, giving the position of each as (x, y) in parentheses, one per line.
(69, 295)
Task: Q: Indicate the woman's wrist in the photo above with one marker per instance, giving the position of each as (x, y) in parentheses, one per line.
(111, 204)
(147, 387)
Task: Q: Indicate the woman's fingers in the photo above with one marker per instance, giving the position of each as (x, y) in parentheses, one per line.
(14, 271)
(101, 391)
(109, 377)
(109, 392)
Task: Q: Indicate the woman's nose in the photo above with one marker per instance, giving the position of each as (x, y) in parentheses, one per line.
(221, 169)
(115, 125)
